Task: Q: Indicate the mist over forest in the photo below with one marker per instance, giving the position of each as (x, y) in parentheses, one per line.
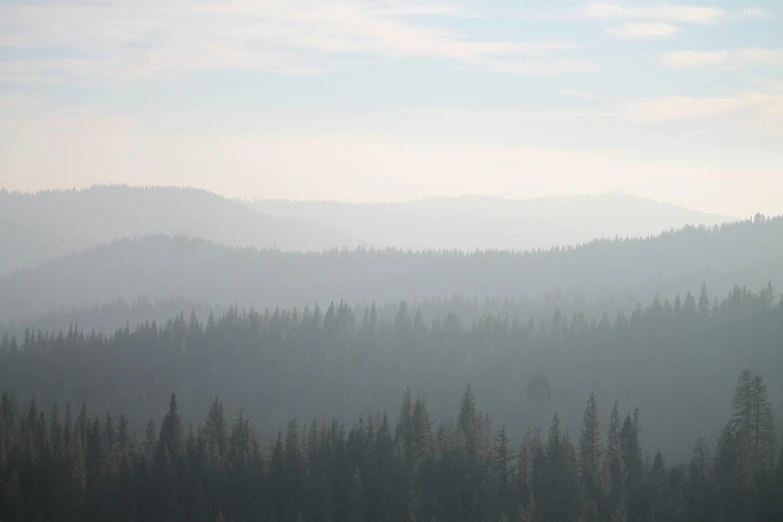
(596, 358)
(391, 261)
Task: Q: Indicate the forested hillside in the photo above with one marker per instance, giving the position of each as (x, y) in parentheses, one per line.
(612, 271)
(675, 361)
(470, 223)
(66, 466)
(40, 226)
(111, 316)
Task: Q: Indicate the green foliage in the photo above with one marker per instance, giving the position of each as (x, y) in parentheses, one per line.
(462, 473)
(341, 366)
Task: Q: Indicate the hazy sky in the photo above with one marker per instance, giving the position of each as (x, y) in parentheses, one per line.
(395, 99)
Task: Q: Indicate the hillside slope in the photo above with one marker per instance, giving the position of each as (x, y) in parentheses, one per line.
(745, 253)
(50, 224)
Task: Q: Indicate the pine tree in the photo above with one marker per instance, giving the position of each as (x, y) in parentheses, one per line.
(590, 448)
(614, 456)
(171, 438)
(123, 434)
(56, 433)
(553, 442)
(150, 440)
(356, 500)
(704, 302)
(689, 309)
(421, 432)
(752, 418)
(404, 431)
(631, 451)
(215, 432)
(503, 455)
(277, 477)
(657, 489)
(469, 423)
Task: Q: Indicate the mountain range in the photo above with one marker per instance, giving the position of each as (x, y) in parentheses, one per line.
(474, 222)
(158, 267)
(38, 227)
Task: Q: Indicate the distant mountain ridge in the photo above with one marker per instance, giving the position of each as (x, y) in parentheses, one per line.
(42, 226)
(485, 222)
(37, 227)
(745, 253)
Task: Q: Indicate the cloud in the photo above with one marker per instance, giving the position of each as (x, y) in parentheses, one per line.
(11, 101)
(661, 12)
(576, 93)
(729, 60)
(764, 106)
(124, 37)
(541, 68)
(754, 13)
(643, 31)
(760, 110)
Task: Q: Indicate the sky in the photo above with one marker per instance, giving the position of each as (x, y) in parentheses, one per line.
(387, 100)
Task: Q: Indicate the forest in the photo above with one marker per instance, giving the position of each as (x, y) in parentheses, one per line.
(673, 360)
(68, 466)
(391, 261)
(158, 369)
(604, 275)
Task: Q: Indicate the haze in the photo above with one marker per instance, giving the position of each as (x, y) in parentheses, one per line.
(391, 261)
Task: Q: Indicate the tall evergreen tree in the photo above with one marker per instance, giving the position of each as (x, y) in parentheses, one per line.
(590, 445)
(172, 433)
(752, 419)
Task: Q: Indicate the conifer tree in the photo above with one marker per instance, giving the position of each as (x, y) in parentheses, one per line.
(503, 455)
(614, 455)
(171, 438)
(56, 432)
(752, 419)
(590, 447)
(356, 501)
(704, 302)
(150, 440)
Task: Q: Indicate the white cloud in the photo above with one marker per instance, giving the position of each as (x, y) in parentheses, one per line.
(660, 12)
(643, 31)
(761, 106)
(760, 109)
(724, 59)
(541, 68)
(576, 93)
(291, 37)
(13, 101)
(754, 13)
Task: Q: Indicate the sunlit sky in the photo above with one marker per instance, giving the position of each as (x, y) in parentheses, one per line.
(397, 99)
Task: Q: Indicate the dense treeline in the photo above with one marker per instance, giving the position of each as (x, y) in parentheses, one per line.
(748, 252)
(70, 466)
(111, 316)
(674, 360)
